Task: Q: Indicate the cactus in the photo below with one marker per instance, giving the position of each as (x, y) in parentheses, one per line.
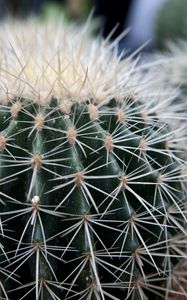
(172, 69)
(177, 53)
(92, 184)
(171, 23)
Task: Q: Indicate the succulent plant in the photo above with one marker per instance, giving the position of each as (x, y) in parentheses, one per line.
(172, 69)
(176, 75)
(171, 23)
(92, 184)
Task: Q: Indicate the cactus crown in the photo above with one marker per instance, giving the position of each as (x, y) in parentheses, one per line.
(43, 61)
(92, 182)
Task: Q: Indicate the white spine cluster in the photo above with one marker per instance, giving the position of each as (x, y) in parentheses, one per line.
(40, 60)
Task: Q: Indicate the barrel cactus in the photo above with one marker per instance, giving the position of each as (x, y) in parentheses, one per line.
(92, 183)
(174, 67)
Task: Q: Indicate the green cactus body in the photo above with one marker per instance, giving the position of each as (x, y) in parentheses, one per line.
(92, 191)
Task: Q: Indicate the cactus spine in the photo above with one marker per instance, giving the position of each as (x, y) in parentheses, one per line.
(92, 186)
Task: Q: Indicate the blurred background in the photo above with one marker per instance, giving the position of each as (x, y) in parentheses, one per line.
(155, 21)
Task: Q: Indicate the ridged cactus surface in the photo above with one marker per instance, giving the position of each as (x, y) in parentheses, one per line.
(92, 184)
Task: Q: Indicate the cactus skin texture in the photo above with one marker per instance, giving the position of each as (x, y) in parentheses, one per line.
(92, 192)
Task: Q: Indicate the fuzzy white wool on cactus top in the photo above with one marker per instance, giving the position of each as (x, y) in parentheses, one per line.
(40, 60)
